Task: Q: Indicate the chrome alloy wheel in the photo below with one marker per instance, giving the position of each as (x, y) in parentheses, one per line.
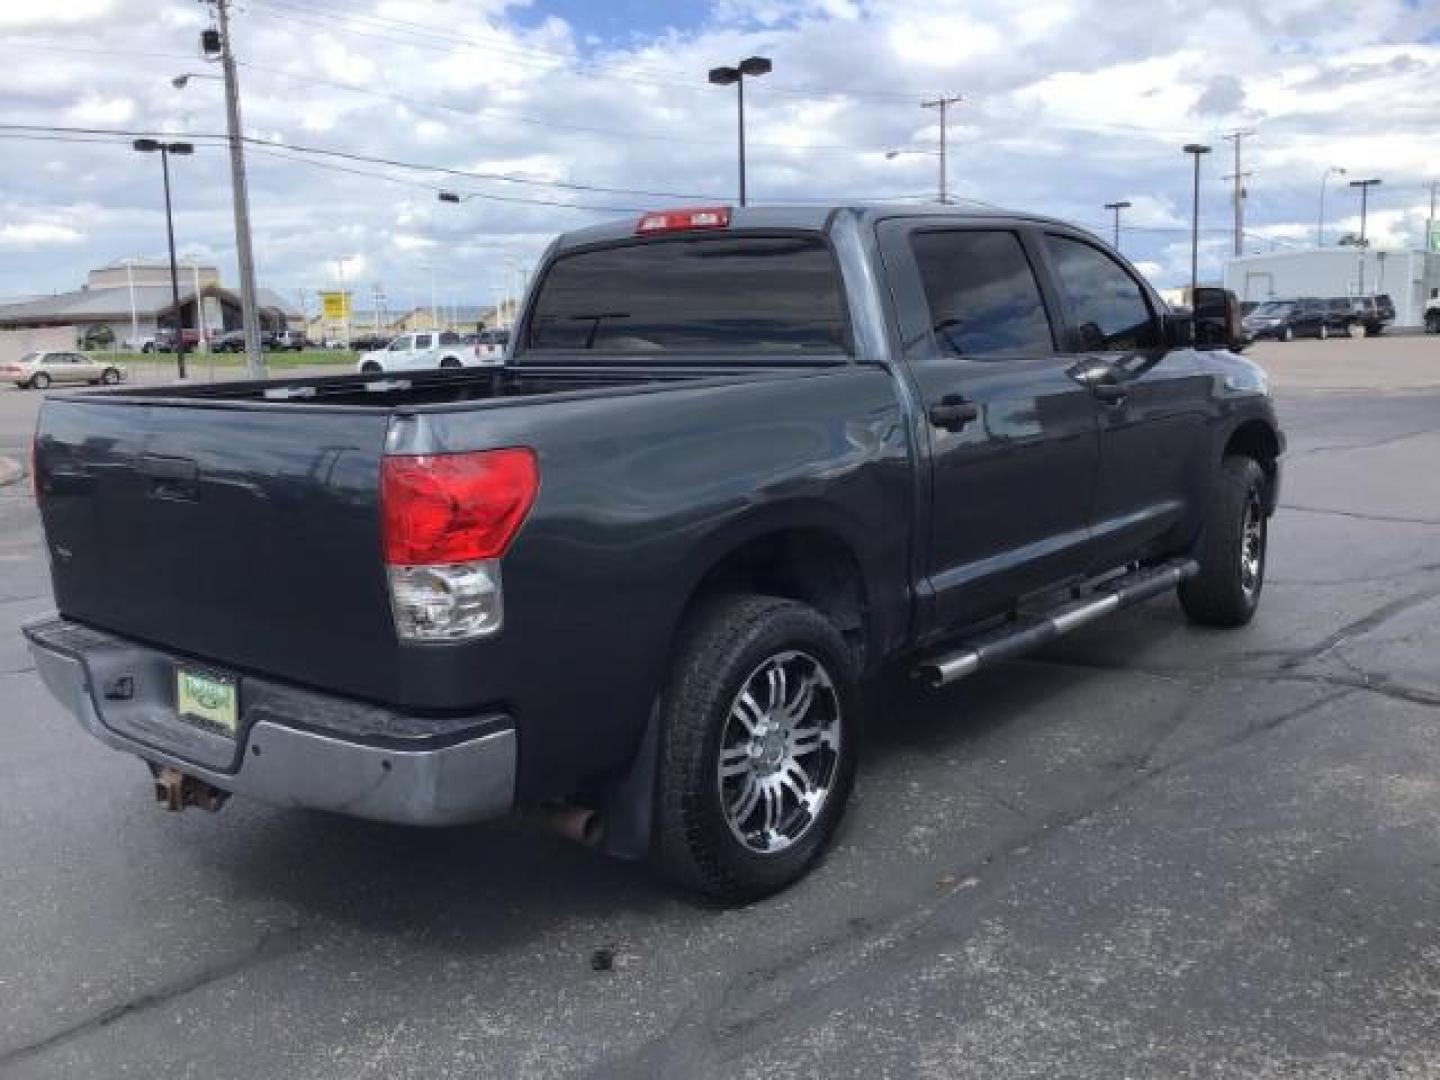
(779, 751)
(1252, 546)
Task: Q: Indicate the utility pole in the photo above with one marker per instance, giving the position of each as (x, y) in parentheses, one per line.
(1116, 207)
(249, 309)
(1429, 246)
(1237, 137)
(943, 103)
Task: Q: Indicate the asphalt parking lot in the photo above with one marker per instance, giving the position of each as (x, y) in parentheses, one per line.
(1149, 851)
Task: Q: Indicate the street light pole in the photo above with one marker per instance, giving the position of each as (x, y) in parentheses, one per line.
(1196, 150)
(943, 103)
(1333, 170)
(1116, 207)
(1364, 186)
(151, 146)
(752, 66)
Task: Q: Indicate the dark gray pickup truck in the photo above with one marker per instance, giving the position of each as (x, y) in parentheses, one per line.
(740, 465)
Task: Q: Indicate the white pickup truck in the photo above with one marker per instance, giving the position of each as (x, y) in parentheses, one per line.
(423, 350)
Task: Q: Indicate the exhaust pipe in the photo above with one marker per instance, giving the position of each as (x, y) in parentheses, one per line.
(582, 824)
(175, 791)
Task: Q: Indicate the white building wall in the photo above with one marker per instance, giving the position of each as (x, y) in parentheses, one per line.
(1337, 272)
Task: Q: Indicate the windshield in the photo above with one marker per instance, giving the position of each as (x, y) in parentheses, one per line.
(1273, 308)
(713, 294)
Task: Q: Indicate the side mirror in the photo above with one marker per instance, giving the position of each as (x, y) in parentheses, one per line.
(1217, 319)
(1180, 329)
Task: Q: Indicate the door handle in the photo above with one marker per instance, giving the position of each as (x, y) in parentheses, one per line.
(953, 412)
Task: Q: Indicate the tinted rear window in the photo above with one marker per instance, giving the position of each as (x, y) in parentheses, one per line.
(731, 293)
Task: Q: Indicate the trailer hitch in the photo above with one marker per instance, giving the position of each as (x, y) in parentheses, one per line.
(175, 791)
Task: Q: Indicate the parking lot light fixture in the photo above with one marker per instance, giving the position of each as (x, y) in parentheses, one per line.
(165, 149)
(751, 67)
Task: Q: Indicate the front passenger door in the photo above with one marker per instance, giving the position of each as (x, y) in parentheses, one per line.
(1155, 405)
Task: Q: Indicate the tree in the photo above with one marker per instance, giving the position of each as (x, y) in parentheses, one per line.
(1353, 240)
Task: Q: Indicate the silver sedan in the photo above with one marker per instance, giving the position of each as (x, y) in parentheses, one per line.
(38, 370)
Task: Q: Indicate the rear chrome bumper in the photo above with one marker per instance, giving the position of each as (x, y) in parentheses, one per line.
(464, 780)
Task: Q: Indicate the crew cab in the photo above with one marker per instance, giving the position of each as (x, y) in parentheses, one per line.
(740, 464)
(418, 351)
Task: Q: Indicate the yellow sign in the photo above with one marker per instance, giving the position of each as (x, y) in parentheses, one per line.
(336, 305)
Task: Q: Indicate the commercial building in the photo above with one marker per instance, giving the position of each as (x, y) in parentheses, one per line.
(1409, 278)
(127, 303)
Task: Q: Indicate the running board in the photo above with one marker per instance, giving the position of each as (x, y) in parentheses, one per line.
(1027, 632)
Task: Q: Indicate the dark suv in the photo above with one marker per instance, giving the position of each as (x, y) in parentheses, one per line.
(1285, 320)
(1375, 313)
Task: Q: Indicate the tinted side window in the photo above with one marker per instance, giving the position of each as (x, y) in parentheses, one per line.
(449, 337)
(776, 294)
(982, 294)
(1107, 304)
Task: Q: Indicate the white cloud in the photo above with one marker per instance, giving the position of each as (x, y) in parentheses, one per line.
(1069, 104)
(37, 234)
(94, 109)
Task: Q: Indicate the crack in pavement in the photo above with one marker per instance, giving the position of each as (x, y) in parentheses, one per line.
(1389, 440)
(695, 1042)
(1384, 519)
(271, 945)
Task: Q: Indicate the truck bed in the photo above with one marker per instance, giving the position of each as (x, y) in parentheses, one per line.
(419, 388)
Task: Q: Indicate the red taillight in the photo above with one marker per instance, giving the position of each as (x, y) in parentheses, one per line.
(450, 508)
(702, 217)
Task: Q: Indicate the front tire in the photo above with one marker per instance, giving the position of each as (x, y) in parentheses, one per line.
(39, 381)
(1231, 550)
(110, 376)
(1324, 332)
(1288, 334)
(760, 729)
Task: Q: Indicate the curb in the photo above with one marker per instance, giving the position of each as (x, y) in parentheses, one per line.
(11, 472)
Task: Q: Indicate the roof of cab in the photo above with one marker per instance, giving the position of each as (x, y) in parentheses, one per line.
(805, 218)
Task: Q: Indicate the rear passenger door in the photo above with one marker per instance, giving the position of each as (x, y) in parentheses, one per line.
(1012, 438)
(1155, 403)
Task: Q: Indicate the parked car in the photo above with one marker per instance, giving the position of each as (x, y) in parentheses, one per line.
(231, 341)
(289, 341)
(1340, 315)
(415, 352)
(490, 346)
(1285, 320)
(1375, 313)
(370, 342)
(37, 370)
(742, 463)
(165, 340)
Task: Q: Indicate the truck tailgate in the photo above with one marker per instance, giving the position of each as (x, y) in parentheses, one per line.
(245, 536)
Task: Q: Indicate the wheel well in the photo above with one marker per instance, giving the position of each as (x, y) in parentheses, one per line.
(810, 565)
(1257, 440)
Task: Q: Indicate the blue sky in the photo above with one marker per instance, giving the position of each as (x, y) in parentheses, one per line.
(552, 114)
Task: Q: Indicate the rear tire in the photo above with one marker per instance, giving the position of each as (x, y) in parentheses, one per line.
(760, 730)
(1324, 332)
(1231, 550)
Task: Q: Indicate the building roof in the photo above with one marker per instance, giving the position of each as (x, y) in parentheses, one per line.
(93, 305)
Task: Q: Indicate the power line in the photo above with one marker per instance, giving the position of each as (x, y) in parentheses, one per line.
(387, 28)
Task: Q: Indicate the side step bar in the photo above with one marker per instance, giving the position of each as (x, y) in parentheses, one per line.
(1027, 632)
